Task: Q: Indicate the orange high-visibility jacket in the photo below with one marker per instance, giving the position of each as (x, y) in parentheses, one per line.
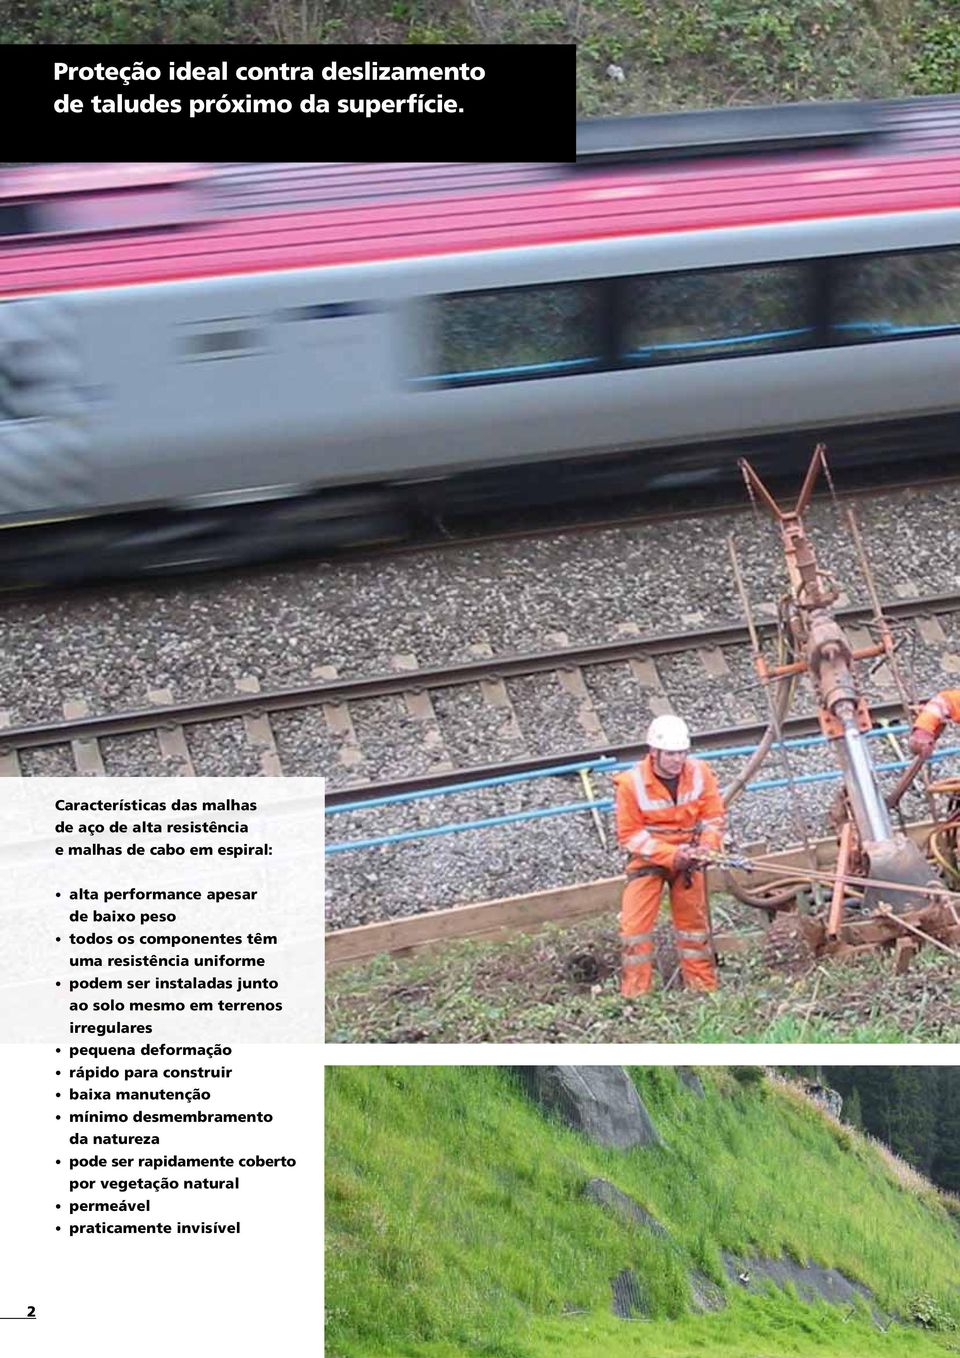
(651, 825)
(940, 709)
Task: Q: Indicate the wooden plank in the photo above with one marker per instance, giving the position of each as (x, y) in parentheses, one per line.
(470, 921)
(519, 914)
(931, 631)
(259, 732)
(904, 951)
(495, 693)
(419, 705)
(339, 722)
(644, 670)
(86, 751)
(714, 662)
(9, 762)
(562, 905)
(848, 952)
(884, 929)
(572, 682)
(170, 736)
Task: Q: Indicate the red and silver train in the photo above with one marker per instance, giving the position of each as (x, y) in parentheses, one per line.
(345, 335)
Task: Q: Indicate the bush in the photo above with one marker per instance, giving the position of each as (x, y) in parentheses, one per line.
(928, 1312)
(748, 1077)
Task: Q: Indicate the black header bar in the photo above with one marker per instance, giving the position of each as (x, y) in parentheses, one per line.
(416, 103)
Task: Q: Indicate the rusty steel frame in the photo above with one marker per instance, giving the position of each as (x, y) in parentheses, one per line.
(866, 835)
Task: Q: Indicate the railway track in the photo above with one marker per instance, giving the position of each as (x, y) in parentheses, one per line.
(426, 705)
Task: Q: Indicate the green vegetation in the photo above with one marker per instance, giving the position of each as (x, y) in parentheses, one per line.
(673, 53)
(526, 989)
(456, 1224)
(121, 21)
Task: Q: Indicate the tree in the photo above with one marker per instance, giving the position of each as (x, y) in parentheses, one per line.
(852, 1112)
(946, 1164)
(915, 1110)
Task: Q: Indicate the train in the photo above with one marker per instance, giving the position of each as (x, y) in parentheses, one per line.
(304, 352)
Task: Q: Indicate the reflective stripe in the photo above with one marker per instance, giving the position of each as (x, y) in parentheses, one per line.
(715, 820)
(648, 803)
(628, 939)
(637, 962)
(696, 935)
(690, 951)
(640, 841)
(696, 791)
(644, 802)
(938, 707)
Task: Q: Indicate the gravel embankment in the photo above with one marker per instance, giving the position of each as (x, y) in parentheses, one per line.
(109, 646)
(561, 850)
(197, 637)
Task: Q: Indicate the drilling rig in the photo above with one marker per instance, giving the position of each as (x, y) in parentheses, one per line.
(883, 891)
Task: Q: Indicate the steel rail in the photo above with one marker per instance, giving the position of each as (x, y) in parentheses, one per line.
(718, 738)
(340, 691)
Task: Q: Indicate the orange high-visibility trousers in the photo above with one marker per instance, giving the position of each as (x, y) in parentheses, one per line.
(638, 916)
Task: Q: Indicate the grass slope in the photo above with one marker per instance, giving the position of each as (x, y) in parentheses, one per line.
(455, 1224)
(520, 991)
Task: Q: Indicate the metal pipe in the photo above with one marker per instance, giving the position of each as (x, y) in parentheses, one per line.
(869, 808)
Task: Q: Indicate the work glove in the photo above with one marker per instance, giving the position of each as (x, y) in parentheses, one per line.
(922, 742)
(685, 859)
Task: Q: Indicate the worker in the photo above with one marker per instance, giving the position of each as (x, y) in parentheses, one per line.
(932, 718)
(670, 815)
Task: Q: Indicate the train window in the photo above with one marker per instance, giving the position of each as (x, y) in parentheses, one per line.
(19, 360)
(509, 333)
(217, 343)
(17, 219)
(671, 318)
(879, 297)
(8, 409)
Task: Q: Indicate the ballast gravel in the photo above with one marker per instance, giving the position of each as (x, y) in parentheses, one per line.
(222, 751)
(457, 868)
(137, 756)
(198, 637)
(623, 703)
(546, 712)
(477, 731)
(308, 749)
(55, 762)
(472, 865)
(392, 742)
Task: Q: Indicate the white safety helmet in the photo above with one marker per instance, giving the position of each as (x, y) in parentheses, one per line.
(668, 733)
